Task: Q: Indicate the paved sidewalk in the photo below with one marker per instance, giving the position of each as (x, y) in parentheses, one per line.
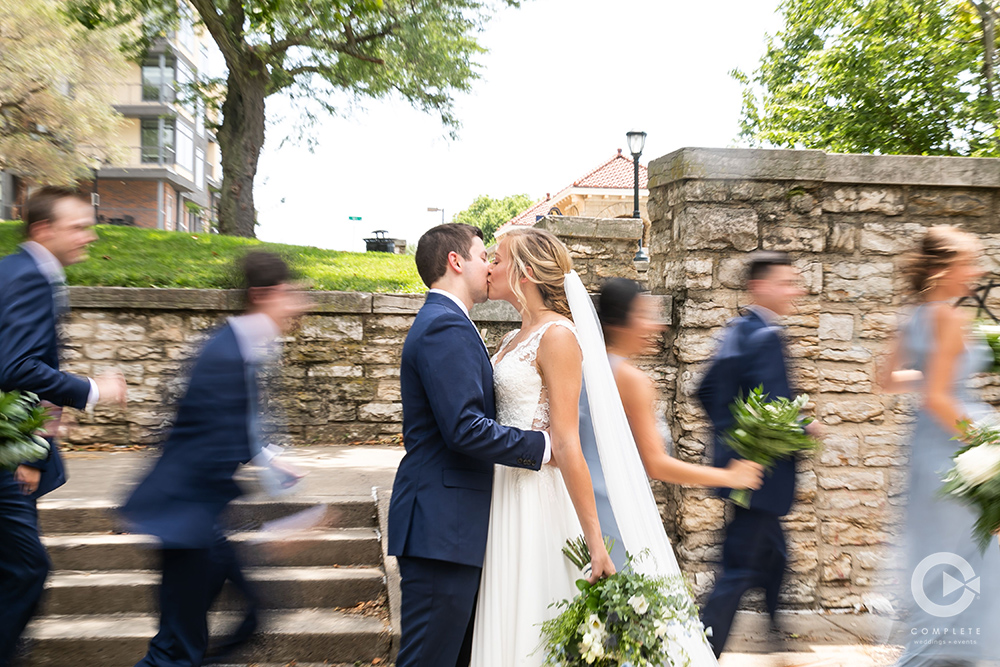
(811, 639)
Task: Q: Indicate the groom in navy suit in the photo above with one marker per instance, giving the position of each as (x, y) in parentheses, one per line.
(752, 354)
(58, 227)
(440, 508)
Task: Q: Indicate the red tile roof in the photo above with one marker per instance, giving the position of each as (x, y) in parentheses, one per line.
(616, 173)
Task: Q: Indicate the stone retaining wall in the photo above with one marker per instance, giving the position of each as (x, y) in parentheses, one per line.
(845, 219)
(340, 378)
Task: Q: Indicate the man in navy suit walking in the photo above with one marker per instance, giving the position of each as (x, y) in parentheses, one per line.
(440, 508)
(752, 354)
(58, 226)
(182, 498)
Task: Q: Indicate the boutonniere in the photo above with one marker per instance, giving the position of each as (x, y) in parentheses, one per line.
(484, 334)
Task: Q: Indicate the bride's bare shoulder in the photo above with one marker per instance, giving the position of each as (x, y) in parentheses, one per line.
(559, 342)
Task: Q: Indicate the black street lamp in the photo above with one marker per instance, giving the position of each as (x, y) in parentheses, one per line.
(636, 142)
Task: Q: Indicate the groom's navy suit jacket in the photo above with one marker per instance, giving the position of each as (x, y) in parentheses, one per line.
(440, 504)
(752, 354)
(29, 350)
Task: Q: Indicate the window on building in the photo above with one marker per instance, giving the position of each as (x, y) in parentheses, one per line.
(185, 145)
(185, 87)
(157, 82)
(185, 28)
(157, 146)
(199, 169)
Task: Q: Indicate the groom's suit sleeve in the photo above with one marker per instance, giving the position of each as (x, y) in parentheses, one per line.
(450, 361)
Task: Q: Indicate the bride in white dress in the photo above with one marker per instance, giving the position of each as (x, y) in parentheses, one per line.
(538, 373)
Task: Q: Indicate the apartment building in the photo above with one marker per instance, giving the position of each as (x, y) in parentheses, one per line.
(171, 171)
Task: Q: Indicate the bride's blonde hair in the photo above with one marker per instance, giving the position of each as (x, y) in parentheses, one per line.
(549, 262)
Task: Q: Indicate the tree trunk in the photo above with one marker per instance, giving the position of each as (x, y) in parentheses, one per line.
(241, 137)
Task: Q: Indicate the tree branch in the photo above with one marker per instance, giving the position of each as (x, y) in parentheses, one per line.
(216, 25)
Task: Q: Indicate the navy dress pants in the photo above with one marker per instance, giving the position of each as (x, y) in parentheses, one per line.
(438, 607)
(192, 579)
(753, 556)
(24, 564)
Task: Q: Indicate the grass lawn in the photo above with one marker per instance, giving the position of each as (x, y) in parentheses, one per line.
(132, 257)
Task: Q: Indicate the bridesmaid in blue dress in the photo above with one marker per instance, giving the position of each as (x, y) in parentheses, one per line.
(951, 589)
(631, 329)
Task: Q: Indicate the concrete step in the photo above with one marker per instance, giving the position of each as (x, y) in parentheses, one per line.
(75, 516)
(346, 546)
(136, 592)
(307, 635)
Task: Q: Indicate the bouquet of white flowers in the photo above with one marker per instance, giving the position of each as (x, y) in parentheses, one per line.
(764, 431)
(626, 620)
(21, 421)
(975, 479)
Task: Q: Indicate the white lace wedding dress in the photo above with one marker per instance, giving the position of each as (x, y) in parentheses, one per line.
(531, 518)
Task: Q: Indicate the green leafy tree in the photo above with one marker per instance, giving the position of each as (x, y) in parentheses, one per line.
(325, 55)
(488, 213)
(877, 76)
(56, 80)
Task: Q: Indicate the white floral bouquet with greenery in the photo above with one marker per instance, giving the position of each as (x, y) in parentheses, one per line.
(975, 478)
(22, 419)
(765, 431)
(626, 620)
(990, 331)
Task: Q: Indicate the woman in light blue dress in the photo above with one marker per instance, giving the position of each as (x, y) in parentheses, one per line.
(951, 589)
(631, 328)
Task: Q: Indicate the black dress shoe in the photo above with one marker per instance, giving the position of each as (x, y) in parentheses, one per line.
(228, 645)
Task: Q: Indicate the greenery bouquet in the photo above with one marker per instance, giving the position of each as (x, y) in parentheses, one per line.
(21, 421)
(626, 620)
(975, 479)
(991, 332)
(765, 431)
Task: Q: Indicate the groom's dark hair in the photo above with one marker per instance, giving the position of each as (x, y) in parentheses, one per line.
(435, 245)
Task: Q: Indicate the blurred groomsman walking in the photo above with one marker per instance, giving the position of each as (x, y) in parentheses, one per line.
(58, 225)
(216, 429)
(752, 354)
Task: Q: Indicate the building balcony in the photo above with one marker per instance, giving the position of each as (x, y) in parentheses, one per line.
(145, 99)
(153, 163)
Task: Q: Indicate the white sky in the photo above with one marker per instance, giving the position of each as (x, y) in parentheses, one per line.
(562, 84)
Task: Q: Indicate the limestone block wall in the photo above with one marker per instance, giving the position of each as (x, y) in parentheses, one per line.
(339, 380)
(846, 220)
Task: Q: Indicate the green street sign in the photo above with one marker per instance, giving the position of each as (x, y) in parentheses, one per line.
(354, 217)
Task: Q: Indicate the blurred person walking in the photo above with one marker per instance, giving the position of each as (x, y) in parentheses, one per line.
(58, 227)
(952, 590)
(216, 430)
(752, 354)
(631, 329)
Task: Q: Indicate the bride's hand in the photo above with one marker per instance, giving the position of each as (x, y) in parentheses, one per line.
(745, 474)
(601, 566)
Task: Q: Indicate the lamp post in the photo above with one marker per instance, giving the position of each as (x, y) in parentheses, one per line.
(431, 209)
(636, 142)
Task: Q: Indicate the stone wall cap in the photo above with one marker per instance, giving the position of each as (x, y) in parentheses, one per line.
(818, 166)
(224, 300)
(495, 311)
(397, 304)
(601, 228)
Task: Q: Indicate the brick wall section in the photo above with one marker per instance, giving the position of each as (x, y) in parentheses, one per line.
(845, 219)
(136, 198)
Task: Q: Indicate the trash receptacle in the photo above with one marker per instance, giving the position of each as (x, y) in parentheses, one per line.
(380, 243)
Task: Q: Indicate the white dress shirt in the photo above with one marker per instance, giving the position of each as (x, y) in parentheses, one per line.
(52, 269)
(769, 316)
(257, 337)
(547, 456)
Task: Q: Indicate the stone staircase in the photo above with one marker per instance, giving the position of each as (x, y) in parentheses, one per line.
(323, 594)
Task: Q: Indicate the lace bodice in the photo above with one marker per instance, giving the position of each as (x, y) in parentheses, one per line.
(521, 397)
